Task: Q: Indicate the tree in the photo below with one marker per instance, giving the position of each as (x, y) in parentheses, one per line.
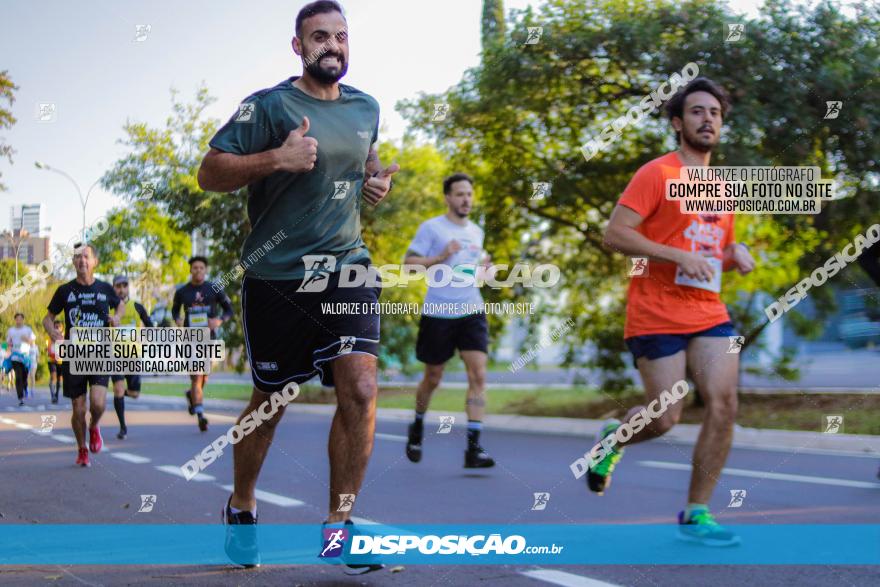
(524, 113)
(7, 94)
(141, 231)
(492, 24)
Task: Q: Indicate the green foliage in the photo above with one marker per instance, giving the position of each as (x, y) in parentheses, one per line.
(144, 243)
(523, 114)
(7, 94)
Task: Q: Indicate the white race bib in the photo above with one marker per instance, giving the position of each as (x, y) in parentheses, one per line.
(712, 285)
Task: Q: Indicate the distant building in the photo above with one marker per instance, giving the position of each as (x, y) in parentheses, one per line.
(25, 216)
(32, 250)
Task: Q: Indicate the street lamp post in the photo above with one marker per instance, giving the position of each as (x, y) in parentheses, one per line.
(83, 201)
(16, 242)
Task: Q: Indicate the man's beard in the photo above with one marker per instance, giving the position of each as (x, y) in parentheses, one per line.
(695, 143)
(324, 76)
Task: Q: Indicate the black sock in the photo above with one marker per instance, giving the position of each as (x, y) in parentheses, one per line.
(473, 434)
(419, 421)
(119, 405)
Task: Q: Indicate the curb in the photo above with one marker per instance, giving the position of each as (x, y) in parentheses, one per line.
(759, 438)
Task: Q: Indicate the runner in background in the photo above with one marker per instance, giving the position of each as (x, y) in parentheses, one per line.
(136, 316)
(20, 338)
(199, 299)
(86, 303)
(453, 318)
(54, 365)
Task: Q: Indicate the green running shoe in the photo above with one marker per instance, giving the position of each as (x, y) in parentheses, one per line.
(702, 528)
(599, 475)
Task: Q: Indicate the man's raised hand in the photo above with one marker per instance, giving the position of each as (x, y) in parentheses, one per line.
(298, 153)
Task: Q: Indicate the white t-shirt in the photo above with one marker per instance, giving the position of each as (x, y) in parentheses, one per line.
(446, 297)
(16, 336)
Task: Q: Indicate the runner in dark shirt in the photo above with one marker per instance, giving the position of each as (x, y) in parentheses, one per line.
(199, 299)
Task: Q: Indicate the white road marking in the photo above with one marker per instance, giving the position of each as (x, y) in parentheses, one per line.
(565, 579)
(23, 426)
(7, 420)
(273, 498)
(174, 470)
(396, 437)
(769, 475)
(63, 438)
(130, 458)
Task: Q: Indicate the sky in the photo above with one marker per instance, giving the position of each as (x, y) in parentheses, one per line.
(82, 57)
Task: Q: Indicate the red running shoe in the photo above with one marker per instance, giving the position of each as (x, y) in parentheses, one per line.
(95, 440)
(82, 458)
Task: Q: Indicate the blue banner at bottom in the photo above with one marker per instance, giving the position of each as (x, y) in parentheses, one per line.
(78, 544)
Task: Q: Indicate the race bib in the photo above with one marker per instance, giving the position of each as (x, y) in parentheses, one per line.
(198, 320)
(712, 285)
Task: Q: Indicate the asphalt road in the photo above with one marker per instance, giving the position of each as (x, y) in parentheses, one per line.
(39, 484)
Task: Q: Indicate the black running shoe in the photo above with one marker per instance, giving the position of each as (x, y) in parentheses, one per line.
(241, 537)
(122, 433)
(189, 398)
(366, 563)
(477, 458)
(203, 423)
(414, 443)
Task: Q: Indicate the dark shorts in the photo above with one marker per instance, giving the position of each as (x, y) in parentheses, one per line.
(657, 346)
(291, 337)
(77, 385)
(132, 382)
(54, 367)
(439, 337)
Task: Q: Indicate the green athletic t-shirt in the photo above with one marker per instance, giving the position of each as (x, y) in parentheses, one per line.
(312, 213)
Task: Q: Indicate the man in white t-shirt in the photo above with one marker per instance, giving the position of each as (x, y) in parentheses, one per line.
(450, 247)
(19, 335)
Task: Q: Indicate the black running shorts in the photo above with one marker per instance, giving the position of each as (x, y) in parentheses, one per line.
(77, 385)
(292, 335)
(439, 337)
(132, 382)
